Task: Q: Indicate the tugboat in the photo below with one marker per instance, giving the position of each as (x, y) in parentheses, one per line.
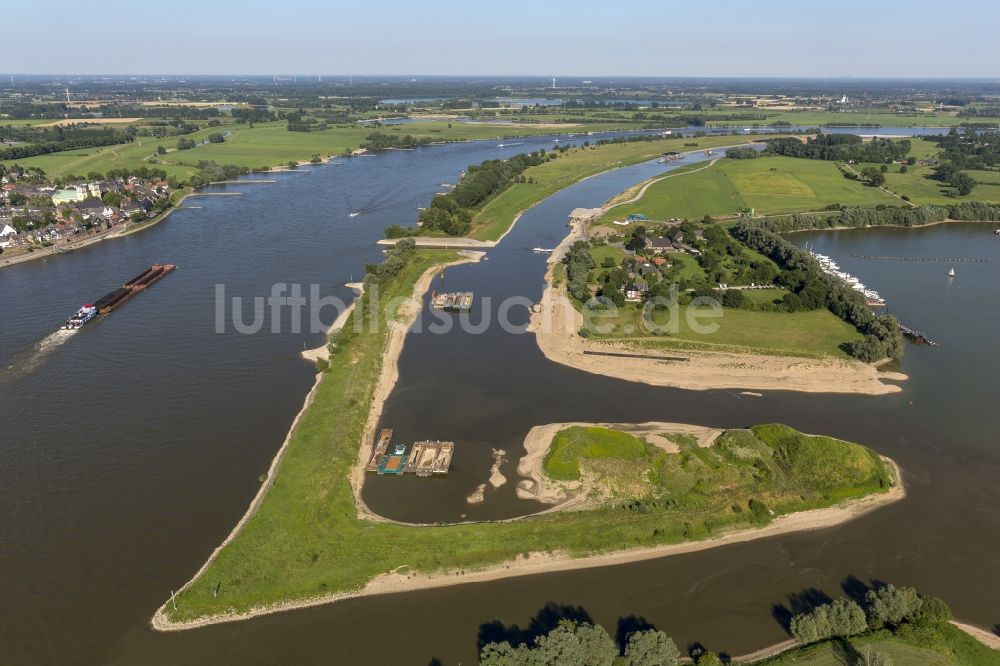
(84, 315)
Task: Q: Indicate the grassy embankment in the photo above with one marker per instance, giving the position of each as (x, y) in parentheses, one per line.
(306, 540)
(263, 145)
(574, 165)
(943, 645)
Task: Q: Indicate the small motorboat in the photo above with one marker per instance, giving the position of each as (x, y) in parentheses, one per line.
(951, 273)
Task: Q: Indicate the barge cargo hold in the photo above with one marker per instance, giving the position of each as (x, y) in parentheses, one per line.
(114, 299)
(430, 458)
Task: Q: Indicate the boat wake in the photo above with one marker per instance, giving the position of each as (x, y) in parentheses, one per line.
(30, 361)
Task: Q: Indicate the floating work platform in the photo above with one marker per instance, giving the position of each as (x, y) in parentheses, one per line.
(395, 462)
(429, 458)
(459, 300)
(381, 446)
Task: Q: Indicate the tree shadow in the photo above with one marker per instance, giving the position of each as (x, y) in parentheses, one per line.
(544, 621)
(855, 589)
(798, 602)
(630, 625)
(435, 662)
(845, 653)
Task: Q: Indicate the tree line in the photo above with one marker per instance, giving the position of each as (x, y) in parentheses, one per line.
(384, 140)
(967, 211)
(42, 141)
(841, 148)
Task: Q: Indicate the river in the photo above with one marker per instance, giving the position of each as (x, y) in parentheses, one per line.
(130, 448)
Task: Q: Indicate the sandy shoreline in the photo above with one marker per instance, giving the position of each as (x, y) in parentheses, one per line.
(541, 563)
(556, 324)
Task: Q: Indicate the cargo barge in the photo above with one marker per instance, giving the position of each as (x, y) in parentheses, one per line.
(115, 298)
(427, 458)
(459, 300)
(430, 458)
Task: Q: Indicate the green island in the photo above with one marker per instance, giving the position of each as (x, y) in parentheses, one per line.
(306, 542)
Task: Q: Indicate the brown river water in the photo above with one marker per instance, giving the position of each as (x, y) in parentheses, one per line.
(129, 449)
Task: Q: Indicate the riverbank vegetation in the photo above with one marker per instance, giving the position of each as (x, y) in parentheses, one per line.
(306, 540)
(881, 626)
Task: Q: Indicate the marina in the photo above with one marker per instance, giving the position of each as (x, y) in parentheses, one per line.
(830, 267)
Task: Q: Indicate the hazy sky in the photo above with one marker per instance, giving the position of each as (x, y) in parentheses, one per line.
(907, 38)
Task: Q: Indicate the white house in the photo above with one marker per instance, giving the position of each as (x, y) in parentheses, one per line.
(6, 234)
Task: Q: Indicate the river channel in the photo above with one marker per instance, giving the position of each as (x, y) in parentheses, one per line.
(130, 448)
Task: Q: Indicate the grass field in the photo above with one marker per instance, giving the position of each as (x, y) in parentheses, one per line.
(767, 185)
(499, 213)
(833, 654)
(306, 539)
(811, 333)
(921, 189)
(573, 444)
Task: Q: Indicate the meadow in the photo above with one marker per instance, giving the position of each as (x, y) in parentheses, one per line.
(811, 333)
(767, 185)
